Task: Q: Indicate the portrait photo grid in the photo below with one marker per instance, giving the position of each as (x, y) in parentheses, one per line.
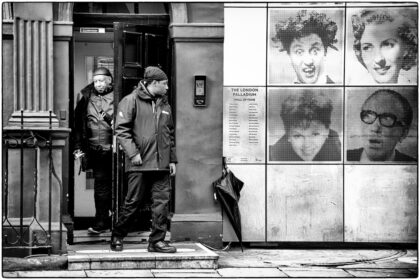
(333, 111)
(359, 51)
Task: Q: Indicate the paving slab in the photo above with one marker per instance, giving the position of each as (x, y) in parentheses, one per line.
(378, 264)
(197, 264)
(185, 273)
(328, 258)
(119, 273)
(315, 272)
(10, 274)
(251, 272)
(413, 269)
(52, 274)
(393, 273)
(52, 262)
(406, 259)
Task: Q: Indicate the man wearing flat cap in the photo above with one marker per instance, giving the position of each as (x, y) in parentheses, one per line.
(93, 140)
(145, 130)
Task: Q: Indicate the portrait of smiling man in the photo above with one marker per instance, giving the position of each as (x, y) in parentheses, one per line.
(306, 37)
(385, 119)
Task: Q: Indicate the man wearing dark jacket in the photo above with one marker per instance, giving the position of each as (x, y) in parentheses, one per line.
(145, 130)
(93, 140)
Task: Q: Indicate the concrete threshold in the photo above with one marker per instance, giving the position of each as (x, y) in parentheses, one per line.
(135, 256)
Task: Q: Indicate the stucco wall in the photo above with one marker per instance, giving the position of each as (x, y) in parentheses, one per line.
(205, 12)
(7, 80)
(199, 130)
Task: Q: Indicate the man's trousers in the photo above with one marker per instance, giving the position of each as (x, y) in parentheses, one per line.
(102, 172)
(138, 182)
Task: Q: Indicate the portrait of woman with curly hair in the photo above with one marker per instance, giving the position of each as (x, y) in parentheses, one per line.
(306, 36)
(385, 44)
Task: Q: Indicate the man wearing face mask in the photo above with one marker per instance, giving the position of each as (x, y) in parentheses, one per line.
(93, 140)
(145, 130)
(386, 117)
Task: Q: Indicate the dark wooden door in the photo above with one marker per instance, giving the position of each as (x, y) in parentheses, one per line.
(135, 48)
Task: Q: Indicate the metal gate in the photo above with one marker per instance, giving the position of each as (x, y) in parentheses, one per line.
(28, 230)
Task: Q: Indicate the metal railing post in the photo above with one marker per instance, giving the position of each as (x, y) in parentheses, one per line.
(21, 177)
(6, 181)
(49, 183)
(35, 179)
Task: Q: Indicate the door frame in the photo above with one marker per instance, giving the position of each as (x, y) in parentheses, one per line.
(107, 22)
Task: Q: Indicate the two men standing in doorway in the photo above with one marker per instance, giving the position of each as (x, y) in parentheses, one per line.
(145, 129)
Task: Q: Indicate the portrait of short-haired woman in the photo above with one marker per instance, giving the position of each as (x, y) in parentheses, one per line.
(307, 37)
(385, 44)
(306, 118)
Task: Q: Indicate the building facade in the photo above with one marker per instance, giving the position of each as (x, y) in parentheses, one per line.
(48, 53)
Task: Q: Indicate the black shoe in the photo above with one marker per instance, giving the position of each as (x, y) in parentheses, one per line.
(98, 229)
(161, 247)
(117, 243)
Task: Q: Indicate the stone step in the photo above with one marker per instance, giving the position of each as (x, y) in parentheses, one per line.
(189, 255)
(81, 236)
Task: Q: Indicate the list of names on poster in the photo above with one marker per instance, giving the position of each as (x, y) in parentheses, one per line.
(253, 124)
(244, 124)
(234, 126)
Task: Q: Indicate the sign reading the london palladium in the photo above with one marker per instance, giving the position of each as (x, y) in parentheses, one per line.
(244, 122)
(321, 119)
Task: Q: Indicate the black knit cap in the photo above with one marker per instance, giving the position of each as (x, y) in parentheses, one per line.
(154, 73)
(102, 71)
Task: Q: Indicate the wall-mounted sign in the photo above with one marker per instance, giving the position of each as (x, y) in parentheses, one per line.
(92, 30)
(244, 124)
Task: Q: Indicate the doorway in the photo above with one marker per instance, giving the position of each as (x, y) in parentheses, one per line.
(125, 38)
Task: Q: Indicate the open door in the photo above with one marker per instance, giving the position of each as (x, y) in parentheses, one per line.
(135, 48)
(90, 50)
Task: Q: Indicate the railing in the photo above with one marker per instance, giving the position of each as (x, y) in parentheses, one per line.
(29, 140)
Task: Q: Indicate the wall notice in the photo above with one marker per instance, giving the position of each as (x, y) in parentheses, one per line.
(244, 124)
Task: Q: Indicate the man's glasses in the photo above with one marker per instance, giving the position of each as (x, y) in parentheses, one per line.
(385, 119)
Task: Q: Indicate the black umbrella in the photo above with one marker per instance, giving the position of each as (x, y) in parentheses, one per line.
(227, 189)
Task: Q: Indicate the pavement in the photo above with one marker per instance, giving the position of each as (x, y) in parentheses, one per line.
(271, 263)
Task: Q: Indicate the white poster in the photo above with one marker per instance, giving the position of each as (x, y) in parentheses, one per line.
(244, 124)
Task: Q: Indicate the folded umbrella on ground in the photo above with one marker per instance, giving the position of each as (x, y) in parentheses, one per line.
(227, 189)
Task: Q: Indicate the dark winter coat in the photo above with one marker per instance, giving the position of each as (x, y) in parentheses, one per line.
(146, 127)
(81, 131)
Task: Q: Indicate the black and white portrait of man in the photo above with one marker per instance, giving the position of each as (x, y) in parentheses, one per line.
(305, 46)
(381, 125)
